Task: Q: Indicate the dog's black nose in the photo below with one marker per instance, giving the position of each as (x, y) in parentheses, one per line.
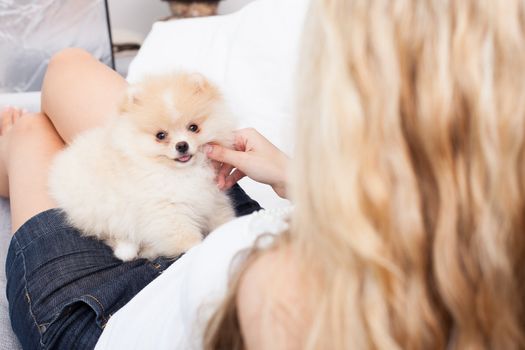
(182, 147)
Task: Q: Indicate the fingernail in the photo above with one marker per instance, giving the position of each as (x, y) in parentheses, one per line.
(25, 111)
(208, 149)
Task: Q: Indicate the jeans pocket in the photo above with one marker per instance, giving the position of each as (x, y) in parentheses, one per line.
(75, 318)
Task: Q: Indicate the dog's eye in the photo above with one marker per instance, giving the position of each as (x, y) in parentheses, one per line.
(161, 135)
(193, 128)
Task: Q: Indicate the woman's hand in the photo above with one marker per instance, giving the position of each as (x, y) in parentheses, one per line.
(253, 156)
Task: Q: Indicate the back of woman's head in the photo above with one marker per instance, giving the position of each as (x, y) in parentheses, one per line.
(409, 177)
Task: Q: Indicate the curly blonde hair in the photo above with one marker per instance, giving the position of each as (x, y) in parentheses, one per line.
(409, 174)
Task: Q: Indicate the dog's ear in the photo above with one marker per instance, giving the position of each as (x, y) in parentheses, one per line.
(199, 82)
(134, 94)
(132, 98)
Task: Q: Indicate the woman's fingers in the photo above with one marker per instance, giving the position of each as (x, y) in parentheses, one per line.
(230, 159)
(233, 178)
(216, 166)
(226, 155)
(222, 174)
(225, 170)
(254, 156)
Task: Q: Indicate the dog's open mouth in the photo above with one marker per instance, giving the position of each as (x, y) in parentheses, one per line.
(184, 159)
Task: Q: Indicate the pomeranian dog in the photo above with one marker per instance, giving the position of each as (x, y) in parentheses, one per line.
(142, 183)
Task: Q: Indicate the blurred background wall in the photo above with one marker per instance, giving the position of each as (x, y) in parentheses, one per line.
(229, 6)
(132, 19)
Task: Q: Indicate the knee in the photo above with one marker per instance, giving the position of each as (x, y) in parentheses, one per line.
(63, 65)
(68, 56)
(63, 62)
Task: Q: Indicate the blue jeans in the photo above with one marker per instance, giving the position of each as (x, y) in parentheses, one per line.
(63, 287)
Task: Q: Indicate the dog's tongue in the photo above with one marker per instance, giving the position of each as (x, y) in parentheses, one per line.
(184, 158)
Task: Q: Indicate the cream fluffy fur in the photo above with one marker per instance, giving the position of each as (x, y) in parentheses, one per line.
(123, 184)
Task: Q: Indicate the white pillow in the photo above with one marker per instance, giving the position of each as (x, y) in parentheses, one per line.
(250, 54)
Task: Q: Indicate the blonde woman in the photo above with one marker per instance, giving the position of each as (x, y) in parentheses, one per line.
(408, 182)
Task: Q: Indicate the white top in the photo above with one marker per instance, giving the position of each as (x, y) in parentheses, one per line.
(173, 310)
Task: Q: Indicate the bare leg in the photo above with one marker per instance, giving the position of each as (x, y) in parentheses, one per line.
(6, 118)
(28, 145)
(79, 92)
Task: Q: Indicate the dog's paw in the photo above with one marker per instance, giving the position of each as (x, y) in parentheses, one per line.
(171, 246)
(126, 251)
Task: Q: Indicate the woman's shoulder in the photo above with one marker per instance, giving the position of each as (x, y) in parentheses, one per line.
(270, 301)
